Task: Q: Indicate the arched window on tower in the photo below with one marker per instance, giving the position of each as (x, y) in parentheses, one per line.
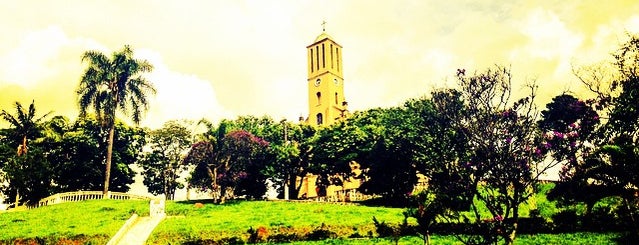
(332, 57)
(319, 97)
(312, 65)
(337, 58)
(320, 119)
(337, 103)
(317, 57)
(323, 57)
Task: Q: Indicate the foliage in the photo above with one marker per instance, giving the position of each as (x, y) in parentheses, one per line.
(291, 155)
(608, 169)
(389, 144)
(286, 157)
(77, 154)
(500, 161)
(162, 163)
(68, 157)
(336, 146)
(24, 126)
(230, 163)
(429, 208)
(390, 165)
(29, 174)
(114, 84)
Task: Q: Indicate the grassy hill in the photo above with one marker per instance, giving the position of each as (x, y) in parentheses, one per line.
(93, 222)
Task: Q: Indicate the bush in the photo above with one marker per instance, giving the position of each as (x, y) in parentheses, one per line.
(534, 225)
(566, 221)
(320, 233)
(223, 241)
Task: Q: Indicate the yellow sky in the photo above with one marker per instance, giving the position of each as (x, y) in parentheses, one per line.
(220, 59)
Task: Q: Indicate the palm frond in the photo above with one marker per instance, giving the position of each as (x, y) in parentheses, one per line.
(114, 84)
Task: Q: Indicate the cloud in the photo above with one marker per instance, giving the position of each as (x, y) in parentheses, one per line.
(179, 95)
(236, 58)
(45, 66)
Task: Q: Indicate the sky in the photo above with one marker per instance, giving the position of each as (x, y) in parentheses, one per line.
(222, 59)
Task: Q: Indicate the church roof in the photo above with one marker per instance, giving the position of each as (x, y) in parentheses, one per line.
(322, 37)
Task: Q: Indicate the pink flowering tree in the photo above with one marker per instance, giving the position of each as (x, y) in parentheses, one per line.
(500, 159)
(569, 132)
(230, 163)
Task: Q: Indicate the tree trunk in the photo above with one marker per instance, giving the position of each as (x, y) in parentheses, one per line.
(107, 174)
(17, 198)
(510, 237)
(22, 149)
(213, 175)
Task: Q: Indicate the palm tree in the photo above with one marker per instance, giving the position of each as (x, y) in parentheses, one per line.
(114, 84)
(25, 125)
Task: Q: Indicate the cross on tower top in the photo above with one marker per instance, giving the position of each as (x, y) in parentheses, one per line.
(323, 26)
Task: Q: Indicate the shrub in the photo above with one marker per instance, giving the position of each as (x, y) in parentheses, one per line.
(320, 233)
(566, 221)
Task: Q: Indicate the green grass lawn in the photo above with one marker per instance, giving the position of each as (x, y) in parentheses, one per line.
(579, 238)
(234, 219)
(88, 221)
(93, 222)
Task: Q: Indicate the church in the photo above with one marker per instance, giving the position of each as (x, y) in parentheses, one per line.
(326, 106)
(326, 103)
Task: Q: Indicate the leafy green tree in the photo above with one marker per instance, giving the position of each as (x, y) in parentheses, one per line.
(336, 146)
(162, 164)
(24, 125)
(292, 156)
(390, 165)
(30, 175)
(114, 84)
(77, 154)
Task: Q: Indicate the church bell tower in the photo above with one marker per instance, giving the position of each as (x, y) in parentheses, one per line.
(326, 103)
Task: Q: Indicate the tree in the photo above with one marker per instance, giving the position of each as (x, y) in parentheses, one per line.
(569, 125)
(230, 162)
(336, 146)
(390, 166)
(289, 148)
(77, 152)
(162, 164)
(502, 157)
(114, 84)
(614, 160)
(290, 145)
(30, 176)
(24, 125)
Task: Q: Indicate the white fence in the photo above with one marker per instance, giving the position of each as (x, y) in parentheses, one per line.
(77, 196)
